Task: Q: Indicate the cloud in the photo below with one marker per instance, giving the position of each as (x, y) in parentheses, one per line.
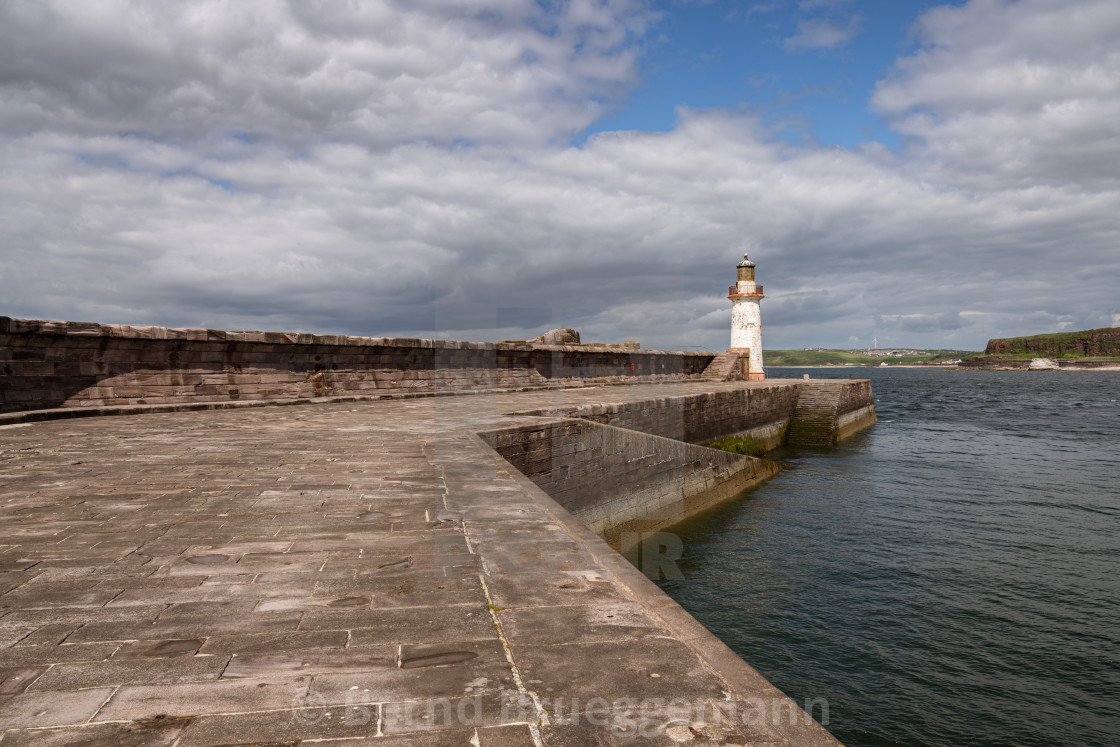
(822, 33)
(761, 9)
(208, 190)
(944, 321)
(817, 4)
(1012, 94)
(377, 73)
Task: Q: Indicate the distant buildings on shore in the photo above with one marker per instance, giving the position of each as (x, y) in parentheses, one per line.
(887, 353)
(894, 353)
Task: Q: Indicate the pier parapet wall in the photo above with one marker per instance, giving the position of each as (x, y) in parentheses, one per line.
(46, 364)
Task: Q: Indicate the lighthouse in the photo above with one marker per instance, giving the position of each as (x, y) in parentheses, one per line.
(746, 319)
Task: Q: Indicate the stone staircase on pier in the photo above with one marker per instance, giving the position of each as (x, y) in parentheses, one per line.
(724, 367)
(814, 420)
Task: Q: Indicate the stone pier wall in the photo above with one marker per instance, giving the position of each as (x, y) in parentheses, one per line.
(621, 482)
(758, 413)
(627, 468)
(854, 396)
(856, 409)
(47, 365)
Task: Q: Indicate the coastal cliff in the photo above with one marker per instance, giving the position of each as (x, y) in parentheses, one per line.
(1104, 342)
(1091, 348)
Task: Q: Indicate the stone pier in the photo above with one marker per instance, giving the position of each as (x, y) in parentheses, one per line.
(349, 572)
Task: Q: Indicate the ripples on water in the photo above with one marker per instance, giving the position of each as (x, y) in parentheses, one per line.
(948, 577)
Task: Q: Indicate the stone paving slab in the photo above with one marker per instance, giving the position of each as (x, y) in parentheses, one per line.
(346, 573)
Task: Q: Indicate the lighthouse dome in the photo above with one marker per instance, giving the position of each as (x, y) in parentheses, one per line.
(745, 263)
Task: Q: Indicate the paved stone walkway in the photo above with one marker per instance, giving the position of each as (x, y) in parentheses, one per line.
(364, 572)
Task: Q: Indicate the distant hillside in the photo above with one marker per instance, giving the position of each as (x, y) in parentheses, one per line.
(819, 357)
(1103, 342)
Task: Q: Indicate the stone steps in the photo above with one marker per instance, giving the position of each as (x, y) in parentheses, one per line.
(722, 368)
(814, 419)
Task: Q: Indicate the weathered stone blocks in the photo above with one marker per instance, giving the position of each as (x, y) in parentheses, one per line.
(623, 482)
(69, 364)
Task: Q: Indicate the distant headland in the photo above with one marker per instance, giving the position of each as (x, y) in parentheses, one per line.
(1085, 349)
(1090, 348)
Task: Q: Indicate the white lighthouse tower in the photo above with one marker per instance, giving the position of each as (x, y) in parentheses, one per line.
(746, 319)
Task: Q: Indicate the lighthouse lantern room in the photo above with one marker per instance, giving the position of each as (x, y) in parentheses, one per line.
(746, 319)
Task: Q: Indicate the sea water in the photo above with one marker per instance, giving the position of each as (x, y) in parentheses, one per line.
(949, 577)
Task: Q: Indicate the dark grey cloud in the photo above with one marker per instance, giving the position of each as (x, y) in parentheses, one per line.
(266, 166)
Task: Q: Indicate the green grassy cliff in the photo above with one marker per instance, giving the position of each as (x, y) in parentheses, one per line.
(1094, 346)
(1090, 343)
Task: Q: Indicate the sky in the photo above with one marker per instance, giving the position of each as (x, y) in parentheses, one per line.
(916, 173)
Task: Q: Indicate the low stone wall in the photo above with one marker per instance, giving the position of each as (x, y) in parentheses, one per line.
(850, 423)
(621, 482)
(856, 409)
(758, 413)
(854, 395)
(73, 364)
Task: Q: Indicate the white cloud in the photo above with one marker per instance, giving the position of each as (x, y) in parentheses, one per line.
(761, 9)
(121, 203)
(376, 72)
(822, 33)
(1013, 94)
(817, 4)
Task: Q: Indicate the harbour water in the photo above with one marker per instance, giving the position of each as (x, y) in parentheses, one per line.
(949, 577)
